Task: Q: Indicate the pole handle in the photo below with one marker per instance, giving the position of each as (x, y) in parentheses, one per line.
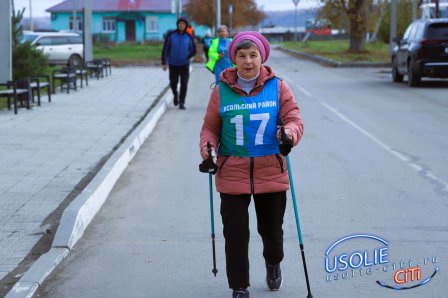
(208, 165)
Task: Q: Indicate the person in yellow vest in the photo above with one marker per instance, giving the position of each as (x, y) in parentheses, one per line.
(218, 53)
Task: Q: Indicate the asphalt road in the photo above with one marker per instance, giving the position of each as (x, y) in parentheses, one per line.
(372, 161)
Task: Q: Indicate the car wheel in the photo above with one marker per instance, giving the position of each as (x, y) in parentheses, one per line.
(75, 60)
(413, 78)
(397, 77)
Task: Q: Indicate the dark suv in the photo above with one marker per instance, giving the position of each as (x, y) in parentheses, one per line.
(423, 52)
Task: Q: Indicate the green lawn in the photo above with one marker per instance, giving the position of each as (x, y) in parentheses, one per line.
(338, 50)
(129, 52)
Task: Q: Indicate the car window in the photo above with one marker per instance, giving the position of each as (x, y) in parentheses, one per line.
(407, 33)
(75, 39)
(413, 31)
(28, 37)
(437, 31)
(59, 40)
(420, 28)
(44, 41)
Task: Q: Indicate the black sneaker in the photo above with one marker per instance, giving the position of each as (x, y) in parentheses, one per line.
(240, 293)
(175, 100)
(273, 276)
(181, 106)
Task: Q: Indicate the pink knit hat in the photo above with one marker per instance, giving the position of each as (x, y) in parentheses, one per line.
(257, 38)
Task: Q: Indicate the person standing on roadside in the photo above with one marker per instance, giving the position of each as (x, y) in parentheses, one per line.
(178, 48)
(218, 53)
(207, 41)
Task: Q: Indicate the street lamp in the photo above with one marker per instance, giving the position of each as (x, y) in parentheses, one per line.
(295, 18)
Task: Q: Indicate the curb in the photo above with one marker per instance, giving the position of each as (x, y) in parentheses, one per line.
(331, 63)
(81, 211)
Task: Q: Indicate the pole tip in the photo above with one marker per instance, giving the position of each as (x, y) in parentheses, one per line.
(214, 270)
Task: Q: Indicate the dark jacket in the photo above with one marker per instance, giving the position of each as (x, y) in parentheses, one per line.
(178, 48)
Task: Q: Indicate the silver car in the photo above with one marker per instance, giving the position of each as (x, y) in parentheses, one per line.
(60, 47)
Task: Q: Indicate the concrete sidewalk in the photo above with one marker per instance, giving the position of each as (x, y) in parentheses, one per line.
(50, 153)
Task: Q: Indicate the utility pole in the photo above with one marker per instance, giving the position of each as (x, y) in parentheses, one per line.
(218, 15)
(75, 21)
(31, 18)
(5, 41)
(178, 9)
(414, 10)
(87, 31)
(393, 24)
(296, 2)
(230, 16)
(437, 9)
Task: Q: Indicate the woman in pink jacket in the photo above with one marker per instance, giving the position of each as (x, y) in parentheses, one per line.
(241, 124)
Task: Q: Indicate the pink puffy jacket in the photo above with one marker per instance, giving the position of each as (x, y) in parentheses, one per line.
(251, 175)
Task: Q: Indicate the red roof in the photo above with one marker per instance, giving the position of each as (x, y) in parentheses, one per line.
(116, 5)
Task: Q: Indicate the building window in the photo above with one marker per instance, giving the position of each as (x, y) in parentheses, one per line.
(152, 24)
(108, 24)
(78, 26)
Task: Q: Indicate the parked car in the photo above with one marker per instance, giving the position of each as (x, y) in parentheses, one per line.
(422, 52)
(60, 47)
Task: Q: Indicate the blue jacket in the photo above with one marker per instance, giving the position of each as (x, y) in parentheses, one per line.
(178, 48)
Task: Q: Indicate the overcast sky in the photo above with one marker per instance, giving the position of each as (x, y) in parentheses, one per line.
(39, 6)
(286, 4)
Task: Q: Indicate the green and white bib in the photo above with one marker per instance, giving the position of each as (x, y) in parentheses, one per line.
(249, 123)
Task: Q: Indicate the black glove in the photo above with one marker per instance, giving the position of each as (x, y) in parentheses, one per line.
(285, 144)
(207, 165)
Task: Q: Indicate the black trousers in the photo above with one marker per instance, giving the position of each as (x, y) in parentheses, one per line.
(184, 73)
(206, 53)
(270, 209)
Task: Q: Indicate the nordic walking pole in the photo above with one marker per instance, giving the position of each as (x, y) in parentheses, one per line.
(288, 144)
(208, 166)
(298, 228)
(212, 222)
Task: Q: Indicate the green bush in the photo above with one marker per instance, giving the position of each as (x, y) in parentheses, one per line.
(27, 60)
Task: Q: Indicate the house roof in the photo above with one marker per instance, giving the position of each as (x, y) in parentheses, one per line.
(116, 5)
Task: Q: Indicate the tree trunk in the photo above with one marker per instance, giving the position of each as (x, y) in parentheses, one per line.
(357, 15)
(383, 11)
(377, 28)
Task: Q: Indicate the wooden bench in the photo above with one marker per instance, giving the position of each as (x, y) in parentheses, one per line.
(12, 91)
(37, 85)
(96, 68)
(83, 74)
(107, 64)
(67, 76)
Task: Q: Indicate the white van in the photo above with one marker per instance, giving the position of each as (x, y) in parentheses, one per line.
(60, 47)
(429, 10)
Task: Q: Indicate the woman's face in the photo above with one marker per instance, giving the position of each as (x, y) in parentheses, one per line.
(248, 62)
(222, 33)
